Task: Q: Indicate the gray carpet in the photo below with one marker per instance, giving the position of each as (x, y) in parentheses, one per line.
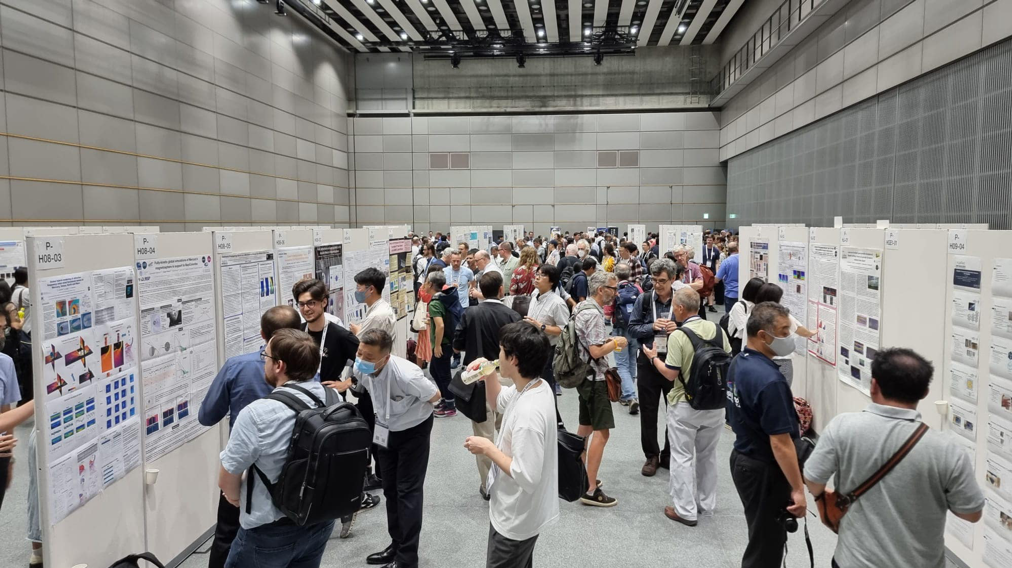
(634, 533)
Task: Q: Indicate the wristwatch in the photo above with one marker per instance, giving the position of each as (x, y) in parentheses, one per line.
(542, 327)
(652, 359)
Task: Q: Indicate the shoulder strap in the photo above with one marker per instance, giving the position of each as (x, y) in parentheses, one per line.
(306, 392)
(290, 400)
(893, 462)
(693, 338)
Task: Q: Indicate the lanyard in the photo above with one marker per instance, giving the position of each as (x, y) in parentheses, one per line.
(372, 383)
(671, 308)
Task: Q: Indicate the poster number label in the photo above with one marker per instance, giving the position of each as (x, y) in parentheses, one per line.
(223, 242)
(844, 236)
(892, 239)
(49, 253)
(145, 246)
(957, 241)
(782, 233)
(279, 239)
(317, 237)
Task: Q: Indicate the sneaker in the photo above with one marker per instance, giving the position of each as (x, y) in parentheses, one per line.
(455, 362)
(670, 513)
(368, 502)
(598, 499)
(439, 405)
(35, 561)
(346, 524)
(712, 309)
(446, 412)
(625, 402)
(634, 408)
(484, 494)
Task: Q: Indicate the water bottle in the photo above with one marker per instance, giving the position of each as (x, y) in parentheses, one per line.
(485, 369)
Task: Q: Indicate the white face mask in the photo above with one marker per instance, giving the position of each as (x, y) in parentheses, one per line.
(581, 253)
(783, 346)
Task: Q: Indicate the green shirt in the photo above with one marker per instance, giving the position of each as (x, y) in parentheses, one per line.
(680, 353)
(438, 310)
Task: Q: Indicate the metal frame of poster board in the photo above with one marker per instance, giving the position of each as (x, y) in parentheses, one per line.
(112, 523)
(181, 506)
(994, 307)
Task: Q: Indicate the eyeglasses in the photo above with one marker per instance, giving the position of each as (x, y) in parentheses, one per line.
(309, 304)
(612, 288)
(264, 356)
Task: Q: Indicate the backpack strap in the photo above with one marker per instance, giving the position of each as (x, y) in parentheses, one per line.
(305, 391)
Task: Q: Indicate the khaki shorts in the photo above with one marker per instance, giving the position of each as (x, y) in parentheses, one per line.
(595, 408)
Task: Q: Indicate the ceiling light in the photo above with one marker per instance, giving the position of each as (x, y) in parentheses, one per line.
(404, 36)
(264, 1)
(521, 60)
(370, 2)
(586, 31)
(497, 46)
(280, 9)
(317, 2)
(359, 37)
(634, 29)
(681, 29)
(541, 32)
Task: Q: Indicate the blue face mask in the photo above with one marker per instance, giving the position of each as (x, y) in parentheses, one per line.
(364, 367)
(360, 296)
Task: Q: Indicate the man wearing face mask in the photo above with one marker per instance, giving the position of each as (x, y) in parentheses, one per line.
(693, 433)
(764, 462)
(403, 399)
(261, 436)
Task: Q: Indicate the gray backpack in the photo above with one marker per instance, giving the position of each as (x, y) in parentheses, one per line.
(569, 368)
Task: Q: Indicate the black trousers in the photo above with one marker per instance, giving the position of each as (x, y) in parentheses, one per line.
(224, 533)
(653, 388)
(4, 465)
(369, 414)
(403, 464)
(764, 491)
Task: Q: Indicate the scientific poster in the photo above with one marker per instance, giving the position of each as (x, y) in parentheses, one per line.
(247, 290)
(12, 256)
(759, 259)
(998, 477)
(999, 402)
(1001, 277)
(966, 309)
(999, 437)
(73, 480)
(998, 516)
(793, 279)
(963, 382)
(964, 346)
(119, 451)
(860, 314)
(637, 234)
(376, 256)
(294, 264)
(963, 419)
(966, 273)
(959, 529)
(180, 347)
(997, 548)
(66, 304)
(330, 271)
(1001, 316)
(823, 294)
(1001, 357)
(400, 281)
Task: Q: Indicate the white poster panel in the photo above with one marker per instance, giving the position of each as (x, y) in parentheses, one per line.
(247, 290)
(824, 300)
(759, 259)
(294, 264)
(793, 279)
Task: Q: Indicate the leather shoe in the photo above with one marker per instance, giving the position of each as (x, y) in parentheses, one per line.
(393, 564)
(670, 513)
(386, 557)
(650, 468)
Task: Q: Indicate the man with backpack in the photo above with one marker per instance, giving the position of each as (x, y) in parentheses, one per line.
(404, 399)
(628, 292)
(444, 313)
(578, 286)
(260, 439)
(696, 363)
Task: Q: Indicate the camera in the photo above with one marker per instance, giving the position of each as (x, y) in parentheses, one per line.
(789, 521)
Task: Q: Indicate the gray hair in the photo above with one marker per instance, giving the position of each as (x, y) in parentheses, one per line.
(571, 249)
(764, 317)
(663, 265)
(600, 279)
(436, 279)
(583, 242)
(481, 254)
(688, 299)
(448, 251)
(623, 270)
(687, 249)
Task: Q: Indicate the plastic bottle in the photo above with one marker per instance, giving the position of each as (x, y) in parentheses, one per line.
(486, 368)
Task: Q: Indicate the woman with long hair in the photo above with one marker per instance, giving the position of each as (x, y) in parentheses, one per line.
(522, 282)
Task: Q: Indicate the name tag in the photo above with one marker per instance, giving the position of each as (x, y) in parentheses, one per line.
(380, 434)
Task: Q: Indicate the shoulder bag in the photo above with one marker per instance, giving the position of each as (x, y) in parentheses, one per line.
(834, 505)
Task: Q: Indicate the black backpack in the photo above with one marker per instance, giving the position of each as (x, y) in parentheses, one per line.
(566, 276)
(706, 388)
(725, 324)
(131, 561)
(323, 474)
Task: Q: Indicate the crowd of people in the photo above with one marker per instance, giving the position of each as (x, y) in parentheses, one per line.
(533, 317)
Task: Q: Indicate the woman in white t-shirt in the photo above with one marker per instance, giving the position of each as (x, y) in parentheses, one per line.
(770, 292)
(738, 315)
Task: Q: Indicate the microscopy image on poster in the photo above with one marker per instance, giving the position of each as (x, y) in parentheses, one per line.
(330, 271)
(998, 477)
(860, 313)
(759, 259)
(966, 309)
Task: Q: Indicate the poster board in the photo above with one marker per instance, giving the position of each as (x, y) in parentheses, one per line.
(512, 232)
(12, 252)
(246, 284)
(673, 235)
(178, 272)
(357, 257)
(637, 234)
(329, 267)
(110, 524)
(980, 394)
(295, 259)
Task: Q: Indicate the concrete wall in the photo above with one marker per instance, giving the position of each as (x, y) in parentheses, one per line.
(539, 170)
(178, 114)
(655, 78)
(745, 23)
(868, 48)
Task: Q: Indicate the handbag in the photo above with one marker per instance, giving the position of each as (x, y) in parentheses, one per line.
(131, 561)
(470, 399)
(573, 482)
(418, 320)
(614, 382)
(834, 505)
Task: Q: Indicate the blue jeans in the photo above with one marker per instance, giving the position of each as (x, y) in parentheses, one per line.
(281, 544)
(625, 361)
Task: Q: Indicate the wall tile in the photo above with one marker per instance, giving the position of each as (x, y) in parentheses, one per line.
(111, 203)
(533, 160)
(41, 119)
(957, 40)
(159, 174)
(201, 179)
(490, 142)
(42, 160)
(50, 201)
(239, 209)
(202, 207)
(263, 210)
(161, 206)
(108, 168)
(618, 141)
(28, 34)
(38, 78)
(491, 160)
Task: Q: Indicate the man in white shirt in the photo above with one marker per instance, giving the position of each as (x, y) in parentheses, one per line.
(524, 481)
(483, 262)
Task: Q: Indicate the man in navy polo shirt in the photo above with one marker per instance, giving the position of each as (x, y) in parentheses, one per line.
(764, 463)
